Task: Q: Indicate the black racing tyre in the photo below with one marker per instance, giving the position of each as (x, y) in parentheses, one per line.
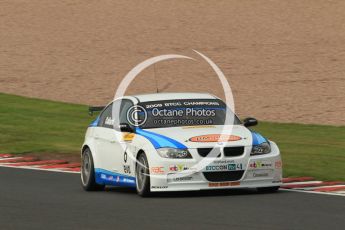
(87, 172)
(142, 174)
(268, 189)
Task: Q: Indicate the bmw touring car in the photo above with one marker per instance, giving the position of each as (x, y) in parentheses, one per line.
(176, 142)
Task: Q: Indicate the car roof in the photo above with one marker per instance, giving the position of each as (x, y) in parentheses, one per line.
(172, 96)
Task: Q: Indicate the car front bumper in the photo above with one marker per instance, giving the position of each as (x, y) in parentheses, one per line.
(257, 171)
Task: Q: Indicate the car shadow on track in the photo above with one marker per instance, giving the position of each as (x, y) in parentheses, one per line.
(188, 194)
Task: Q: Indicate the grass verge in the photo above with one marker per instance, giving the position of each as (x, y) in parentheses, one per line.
(40, 126)
(34, 125)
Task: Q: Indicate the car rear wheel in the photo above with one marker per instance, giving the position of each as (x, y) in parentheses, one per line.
(88, 180)
(142, 174)
(268, 189)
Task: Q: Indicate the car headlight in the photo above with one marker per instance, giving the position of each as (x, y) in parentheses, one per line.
(174, 153)
(262, 148)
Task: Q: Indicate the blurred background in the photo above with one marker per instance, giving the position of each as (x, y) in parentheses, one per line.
(285, 62)
(284, 59)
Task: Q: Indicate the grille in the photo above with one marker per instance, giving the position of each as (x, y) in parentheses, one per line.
(233, 151)
(223, 176)
(205, 151)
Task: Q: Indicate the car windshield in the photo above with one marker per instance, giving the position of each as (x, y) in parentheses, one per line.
(187, 112)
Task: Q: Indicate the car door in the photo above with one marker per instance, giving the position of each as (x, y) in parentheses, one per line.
(108, 149)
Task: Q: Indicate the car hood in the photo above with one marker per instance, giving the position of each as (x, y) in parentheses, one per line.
(198, 136)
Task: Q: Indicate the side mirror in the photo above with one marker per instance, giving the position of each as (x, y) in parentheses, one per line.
(250, 121)
(124, 127)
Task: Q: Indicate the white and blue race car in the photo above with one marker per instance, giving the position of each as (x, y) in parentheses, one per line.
(176, 142)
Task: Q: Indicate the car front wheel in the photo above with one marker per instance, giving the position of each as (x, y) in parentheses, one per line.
(142, 174)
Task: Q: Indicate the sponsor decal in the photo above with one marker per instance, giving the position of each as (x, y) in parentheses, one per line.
(181, 103)
(178, 168)
(109, 121)
(260, 174)
(159, 187)
(118, 179)
(179, 177)
(157, 170)
(186, 178)
(223, 184)
(128, 180)
(107, 177)
(128, 136)
(223, 161)
(215, 138)
(260, 164)
(227, 167)
(127, 169)
(278, 164)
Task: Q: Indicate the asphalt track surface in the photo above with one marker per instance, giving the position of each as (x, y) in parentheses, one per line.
(48, 200)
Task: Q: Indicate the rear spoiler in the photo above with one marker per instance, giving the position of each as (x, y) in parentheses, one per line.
(95, 109)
